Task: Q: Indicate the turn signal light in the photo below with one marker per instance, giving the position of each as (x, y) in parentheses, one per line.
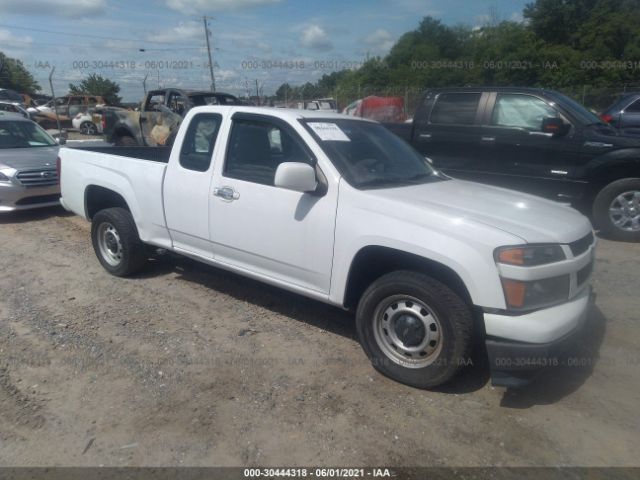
(514, 292)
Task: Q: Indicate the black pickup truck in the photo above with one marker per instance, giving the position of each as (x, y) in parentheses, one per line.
(533, 140)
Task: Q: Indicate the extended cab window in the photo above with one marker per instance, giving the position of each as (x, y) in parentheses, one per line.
(256, 149)
(524, 111)
(197, 147)
(455, 108)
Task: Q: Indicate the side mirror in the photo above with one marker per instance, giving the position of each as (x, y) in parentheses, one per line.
(297, 176)
(555, 126)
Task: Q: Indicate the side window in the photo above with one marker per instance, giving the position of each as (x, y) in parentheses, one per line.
(256, 149)
(633, 108)
(524, 111)
(197, 147)
(455, 108)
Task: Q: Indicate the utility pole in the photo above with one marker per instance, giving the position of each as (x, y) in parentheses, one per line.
(257, 92)
(206, 36)
(144, 83)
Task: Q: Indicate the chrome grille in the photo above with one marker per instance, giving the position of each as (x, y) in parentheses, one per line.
(38, 178)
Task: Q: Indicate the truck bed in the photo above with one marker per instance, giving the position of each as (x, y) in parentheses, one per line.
(153, 154)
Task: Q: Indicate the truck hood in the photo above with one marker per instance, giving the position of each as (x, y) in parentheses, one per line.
(533, 219)
(21, 158)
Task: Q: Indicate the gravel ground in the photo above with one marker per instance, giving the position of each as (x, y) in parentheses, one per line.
(189, 365)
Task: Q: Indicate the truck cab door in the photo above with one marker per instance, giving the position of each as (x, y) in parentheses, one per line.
(516, 153)
(448, 131)
(272, 232)
(187, 185)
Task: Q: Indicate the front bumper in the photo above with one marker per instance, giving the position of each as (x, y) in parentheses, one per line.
(549, 334)
(17, 197)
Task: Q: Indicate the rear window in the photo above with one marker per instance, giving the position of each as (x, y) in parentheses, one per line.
(455, 108)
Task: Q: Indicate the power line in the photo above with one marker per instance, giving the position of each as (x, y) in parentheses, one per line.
(41, 30)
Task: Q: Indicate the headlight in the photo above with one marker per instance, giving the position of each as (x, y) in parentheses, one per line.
(4, 178)
(529, 256)
(521, 295)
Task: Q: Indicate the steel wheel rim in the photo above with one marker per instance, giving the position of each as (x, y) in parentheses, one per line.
(389, 321)
(110, 244)
(624, 211)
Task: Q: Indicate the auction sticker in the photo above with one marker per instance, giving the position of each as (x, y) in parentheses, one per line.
(328, 132)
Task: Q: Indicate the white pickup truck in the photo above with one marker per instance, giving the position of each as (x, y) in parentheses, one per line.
(341, 210)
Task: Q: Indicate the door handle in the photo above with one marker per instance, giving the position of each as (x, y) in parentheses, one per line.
(487, 139)
(425, 136)
(226, 193)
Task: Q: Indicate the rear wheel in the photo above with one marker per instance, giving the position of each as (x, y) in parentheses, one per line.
(414, 329)
(88, 128)
(616, 210)
(115, 240)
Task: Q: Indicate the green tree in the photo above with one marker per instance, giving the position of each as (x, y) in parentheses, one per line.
(97, 85)
(15, 76)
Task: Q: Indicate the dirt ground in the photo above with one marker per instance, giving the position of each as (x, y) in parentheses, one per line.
(189, 365)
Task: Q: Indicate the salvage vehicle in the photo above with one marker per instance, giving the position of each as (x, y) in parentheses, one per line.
(536, 141)
(28, 175)
(67, 108)
(343, 211)
(160, 115)
(83, 122)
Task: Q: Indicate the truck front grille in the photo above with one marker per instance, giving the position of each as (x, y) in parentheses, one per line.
(580, 246)
(38, 178)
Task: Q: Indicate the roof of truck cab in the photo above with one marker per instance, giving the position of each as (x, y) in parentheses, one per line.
(289, 114)
(489, 89)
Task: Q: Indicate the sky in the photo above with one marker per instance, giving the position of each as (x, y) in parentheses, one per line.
(255, 43)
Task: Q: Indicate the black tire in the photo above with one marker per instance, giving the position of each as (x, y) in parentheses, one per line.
(125, 244)
(88, 128)
(604, 201)
(126, 141)
(455, 325)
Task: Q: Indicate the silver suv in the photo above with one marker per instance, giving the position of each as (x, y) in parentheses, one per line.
(28, 175)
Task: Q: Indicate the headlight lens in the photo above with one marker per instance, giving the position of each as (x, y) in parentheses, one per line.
(535, 294)
(4, 178)
(529, 256)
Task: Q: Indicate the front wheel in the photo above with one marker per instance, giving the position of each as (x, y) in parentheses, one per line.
(616, 209)
(88, 128)
(414, 329)
(115, 240)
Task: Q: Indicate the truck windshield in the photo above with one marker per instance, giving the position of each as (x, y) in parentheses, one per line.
(23, 135)
(368, 155)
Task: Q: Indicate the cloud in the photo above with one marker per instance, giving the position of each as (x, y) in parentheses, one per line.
(380, 41)
(59, 8)
(315, 38)
(182, 33)
(10, 40)
(206, 6)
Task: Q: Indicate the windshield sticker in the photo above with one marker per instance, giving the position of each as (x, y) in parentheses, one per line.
(328, 132)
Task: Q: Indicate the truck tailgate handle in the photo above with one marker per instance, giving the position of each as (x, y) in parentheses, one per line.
(226, 193)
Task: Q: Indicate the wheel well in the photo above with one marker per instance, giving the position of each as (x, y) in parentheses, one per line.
(606, 176)
(98, 198)
(372, 262)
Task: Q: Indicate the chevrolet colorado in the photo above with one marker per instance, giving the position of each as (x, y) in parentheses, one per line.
(343, 211)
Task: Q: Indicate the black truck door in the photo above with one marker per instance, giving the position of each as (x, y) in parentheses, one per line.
(447, 128)
(516, 153)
